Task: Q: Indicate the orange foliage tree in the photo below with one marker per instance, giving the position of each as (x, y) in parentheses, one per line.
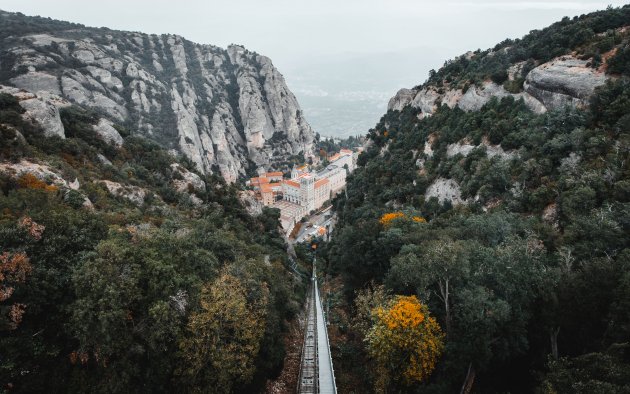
(388, 218)
(30, 181)
(14, 267)
(404, 341)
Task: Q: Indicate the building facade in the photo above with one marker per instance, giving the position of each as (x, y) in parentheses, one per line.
(305, 191)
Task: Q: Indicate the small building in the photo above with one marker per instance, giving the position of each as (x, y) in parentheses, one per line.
(257, 182)
(274, 176)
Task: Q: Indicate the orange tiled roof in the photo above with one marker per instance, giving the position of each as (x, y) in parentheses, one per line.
(346, 151)
(335, 157)
(292, 183)
(275, 174)
(266, 188)
(259, 180)
(321, 231)
(321, 182)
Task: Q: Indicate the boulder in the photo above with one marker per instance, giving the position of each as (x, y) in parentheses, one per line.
(105, 129)
(563, 81)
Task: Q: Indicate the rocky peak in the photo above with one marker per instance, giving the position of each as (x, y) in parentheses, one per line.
(225, 109)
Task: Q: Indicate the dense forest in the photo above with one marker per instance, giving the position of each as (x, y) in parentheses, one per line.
(527, 275)
(124, 270)
(167, 286)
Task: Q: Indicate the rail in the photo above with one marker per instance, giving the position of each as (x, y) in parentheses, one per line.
(316, 375)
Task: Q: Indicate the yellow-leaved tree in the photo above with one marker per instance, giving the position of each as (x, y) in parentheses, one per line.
(404, 341)
(224, 336)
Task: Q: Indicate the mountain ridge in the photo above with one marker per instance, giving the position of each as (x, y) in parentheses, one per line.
(228, 110)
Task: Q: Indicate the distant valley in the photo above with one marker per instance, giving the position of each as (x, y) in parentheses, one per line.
(345, 94)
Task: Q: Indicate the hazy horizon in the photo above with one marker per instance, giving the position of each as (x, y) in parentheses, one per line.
(343, 61)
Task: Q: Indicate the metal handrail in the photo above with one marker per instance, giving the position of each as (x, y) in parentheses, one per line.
(332, 367)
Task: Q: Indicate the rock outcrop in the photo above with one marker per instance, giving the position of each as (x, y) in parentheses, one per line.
(185, 181)
(225, 109)
(134, 194)
(562, 81)
(465, 149)
(445, 190)
(42, 110)
(105, 129)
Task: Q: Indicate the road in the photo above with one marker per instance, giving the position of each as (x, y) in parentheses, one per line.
(324, 219)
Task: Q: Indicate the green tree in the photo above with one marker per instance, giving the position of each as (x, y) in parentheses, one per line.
(224, 336)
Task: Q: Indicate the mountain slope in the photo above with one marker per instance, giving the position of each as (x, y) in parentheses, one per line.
(222, 108)
(548, 69)
(112, 253)
(518, 159)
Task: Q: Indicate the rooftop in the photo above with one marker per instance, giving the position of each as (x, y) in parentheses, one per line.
(259, 180)
(321, 182)
(291, 183)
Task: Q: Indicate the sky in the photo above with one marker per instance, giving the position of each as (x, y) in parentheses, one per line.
(343, 59)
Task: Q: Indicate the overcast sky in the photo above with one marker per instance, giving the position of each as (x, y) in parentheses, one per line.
(304, 36)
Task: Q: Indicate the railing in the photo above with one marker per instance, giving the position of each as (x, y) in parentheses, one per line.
(332, 366)
(325, 318)
(310, 347)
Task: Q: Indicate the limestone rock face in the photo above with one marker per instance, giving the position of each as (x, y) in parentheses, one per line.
(41, 171)
(562, 81)
(186, 180)
(428, 98)
(43, 110)
(445, 190)
(105, 129)
(37, 81)
(225, 109)
(401, 99)
(134, 194)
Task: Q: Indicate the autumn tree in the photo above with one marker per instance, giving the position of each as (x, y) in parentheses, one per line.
(405, 342)
(14, 267)
(224, 335)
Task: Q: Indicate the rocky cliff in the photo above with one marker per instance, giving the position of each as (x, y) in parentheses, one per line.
(548, 69)
(228, 110)
(562, 81)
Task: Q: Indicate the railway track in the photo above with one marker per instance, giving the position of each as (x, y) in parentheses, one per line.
(316, 371)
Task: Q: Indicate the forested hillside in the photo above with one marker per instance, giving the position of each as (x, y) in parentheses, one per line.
(509, 221)
(124, 270)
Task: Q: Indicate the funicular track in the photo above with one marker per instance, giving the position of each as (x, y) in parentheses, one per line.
(316, 370)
